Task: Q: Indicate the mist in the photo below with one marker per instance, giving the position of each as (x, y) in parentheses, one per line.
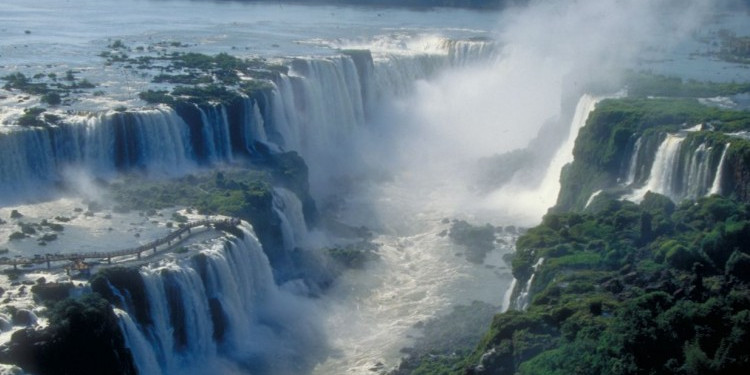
(551, 53)
(422, 150)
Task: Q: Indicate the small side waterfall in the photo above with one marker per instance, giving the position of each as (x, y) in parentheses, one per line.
(633, 166)
(684, 168)
(254, 126)
(216, 133)
(508, 296)
(523, 300)
(661, 178)
(716, 187)
(592, 197)
(288, 207)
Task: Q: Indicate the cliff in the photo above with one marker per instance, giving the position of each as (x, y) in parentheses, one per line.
(624, 141)
(629, 289)
(659, 286)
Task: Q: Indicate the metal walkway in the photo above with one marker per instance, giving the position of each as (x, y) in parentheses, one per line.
(108, 255)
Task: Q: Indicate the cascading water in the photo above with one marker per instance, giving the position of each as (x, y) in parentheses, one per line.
(716, 187)
(633, 166)
(255, 128)
(683, 170)
(215, 308)
(157, 139)
(312, 110)
(695, 182)
(661, 178)
(535, 202)
(522, 301)
(551, 184)
(288, 208)
(216, 133)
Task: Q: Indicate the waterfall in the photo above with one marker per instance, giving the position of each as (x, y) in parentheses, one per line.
(288, 207)
(322, 103)
(220, 303)
(550, 186)
(396, 74)
(313, 110)
(462, 52)
(683, 170)
(254, 128)
(508, 296)
(633, 166)
(661, 178)
(716, 185)
(143, 356)
(216, 133)
(155, 139)
(592, 197)
(523, 300)
(696, 181)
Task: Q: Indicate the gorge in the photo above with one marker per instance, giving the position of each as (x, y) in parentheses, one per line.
(351, 158)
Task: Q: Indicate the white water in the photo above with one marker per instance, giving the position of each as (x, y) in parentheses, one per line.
(523, 300)
(696, 175)
(662, 170)
(530, 204)
(695, 182)
(420, 275)
(260, 320)
(716, 187)
(592, 197)
(99, 144)
(289, 209)
(633, 166)
(313, 110)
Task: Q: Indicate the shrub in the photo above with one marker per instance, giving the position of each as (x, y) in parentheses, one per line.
(51, 98)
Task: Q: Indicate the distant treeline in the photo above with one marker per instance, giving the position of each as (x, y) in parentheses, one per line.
(474, 4)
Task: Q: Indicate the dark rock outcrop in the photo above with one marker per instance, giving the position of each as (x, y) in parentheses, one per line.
(83, 338)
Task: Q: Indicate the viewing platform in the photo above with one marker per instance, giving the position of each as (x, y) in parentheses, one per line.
(77, 259)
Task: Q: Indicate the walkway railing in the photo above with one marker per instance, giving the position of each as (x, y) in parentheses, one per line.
(108, 255)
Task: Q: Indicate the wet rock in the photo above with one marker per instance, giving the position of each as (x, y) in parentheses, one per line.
(24, 317)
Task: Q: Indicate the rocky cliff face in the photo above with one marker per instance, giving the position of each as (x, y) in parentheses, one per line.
(675, 147)
(83, 337)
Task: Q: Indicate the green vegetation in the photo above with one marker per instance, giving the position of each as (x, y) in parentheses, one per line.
(643, 85)
(734, 48)
(16, 236)
(205, 79)
(201, 79)
(445, 339)
(630, 289)
(242, 193)
(85, 327)
(227, 193)
(604, 146)
(156, 97)
(31, 117)
(18, 81)
(51, 91)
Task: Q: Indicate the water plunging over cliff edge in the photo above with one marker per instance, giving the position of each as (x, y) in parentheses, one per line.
(313, 109)
(218, 310)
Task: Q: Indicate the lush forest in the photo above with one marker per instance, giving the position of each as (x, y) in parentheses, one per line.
(615, 287)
